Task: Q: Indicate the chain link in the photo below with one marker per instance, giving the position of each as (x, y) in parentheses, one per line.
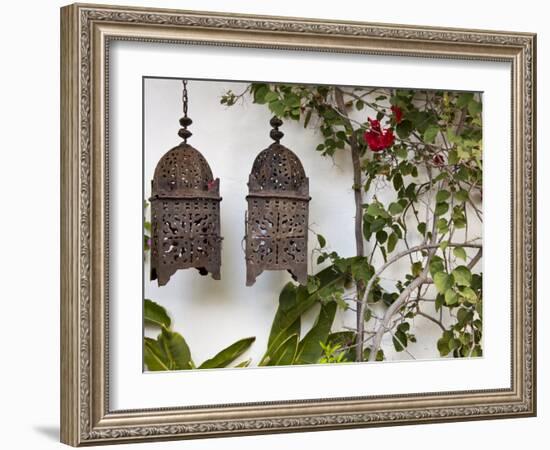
(184, 97)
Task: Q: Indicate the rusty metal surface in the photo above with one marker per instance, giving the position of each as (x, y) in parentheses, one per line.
(185, 215)
(277, 216)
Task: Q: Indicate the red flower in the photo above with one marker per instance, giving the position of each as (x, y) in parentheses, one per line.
(378, 139)
(438, 160)
(397, 113)
(211, 185)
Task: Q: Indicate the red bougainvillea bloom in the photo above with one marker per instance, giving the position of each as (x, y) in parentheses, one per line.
(397, 113)
(378, 139)
(438, 160)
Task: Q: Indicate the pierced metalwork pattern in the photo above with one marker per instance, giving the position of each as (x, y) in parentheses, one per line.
(185, 215)
(277, 216)
(278, 169)
(181, 172)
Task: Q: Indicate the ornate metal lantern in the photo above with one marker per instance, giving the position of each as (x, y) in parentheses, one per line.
(277, 216)
(185, 211)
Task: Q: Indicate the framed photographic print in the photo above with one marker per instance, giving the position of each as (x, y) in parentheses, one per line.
(276, 224)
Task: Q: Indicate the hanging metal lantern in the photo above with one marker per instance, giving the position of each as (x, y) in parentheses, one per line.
(277, 216)
(185, 211)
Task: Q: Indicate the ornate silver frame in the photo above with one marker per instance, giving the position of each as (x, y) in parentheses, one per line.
(86, 31)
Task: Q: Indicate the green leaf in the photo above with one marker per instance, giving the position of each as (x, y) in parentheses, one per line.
(367, 315)
(477, 351)
(442, 196)
(436, 265)
(451, 297)
(309, 350)
(463, 174)
(154, 314)
(459, 223)
(381, 236)
(375, 209)
(474, 107)
(378, 224)
(404, 129)
(295, 301)
(452, 158)
(271, 96)
(443, 282)
(397, 344)
(176, 349)
(260, 91)
(395, 208)
(312, 284)
(284, 355)
(154, 357)
(459, 252)
(292, 100)
(464, 99)
(401, 152)
(395, 227)
(421, 120)
(416, 268)
(442, 225)
(421, 228)
(443, 347)
(463, 316)
(441, 208)
(469, 294)
(397, 181)
(277, 108)
(379, 355)
(282, 328)
(404, 327)
(430, 133)
(392, 242)
(361, 270)
(477, 282)
(342, 338)
(228, 354)
(462, 276)
(245, 363)
(322, 241)
(462, 195)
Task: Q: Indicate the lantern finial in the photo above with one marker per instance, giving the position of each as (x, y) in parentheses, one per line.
(185, 121)
(275, 133)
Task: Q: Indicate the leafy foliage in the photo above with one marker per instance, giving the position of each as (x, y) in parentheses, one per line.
(154, 314)
(294, 301)
(171, 352)
(431, 163)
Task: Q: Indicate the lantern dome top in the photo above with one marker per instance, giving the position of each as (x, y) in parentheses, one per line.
(183, 170)
(277, 168)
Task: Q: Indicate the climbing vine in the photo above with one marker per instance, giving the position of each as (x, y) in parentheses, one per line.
(417, 180)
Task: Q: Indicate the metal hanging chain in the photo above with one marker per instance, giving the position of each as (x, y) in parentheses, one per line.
(185, 121)
(184, 97)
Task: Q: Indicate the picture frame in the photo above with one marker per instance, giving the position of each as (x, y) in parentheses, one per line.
(87, 31)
